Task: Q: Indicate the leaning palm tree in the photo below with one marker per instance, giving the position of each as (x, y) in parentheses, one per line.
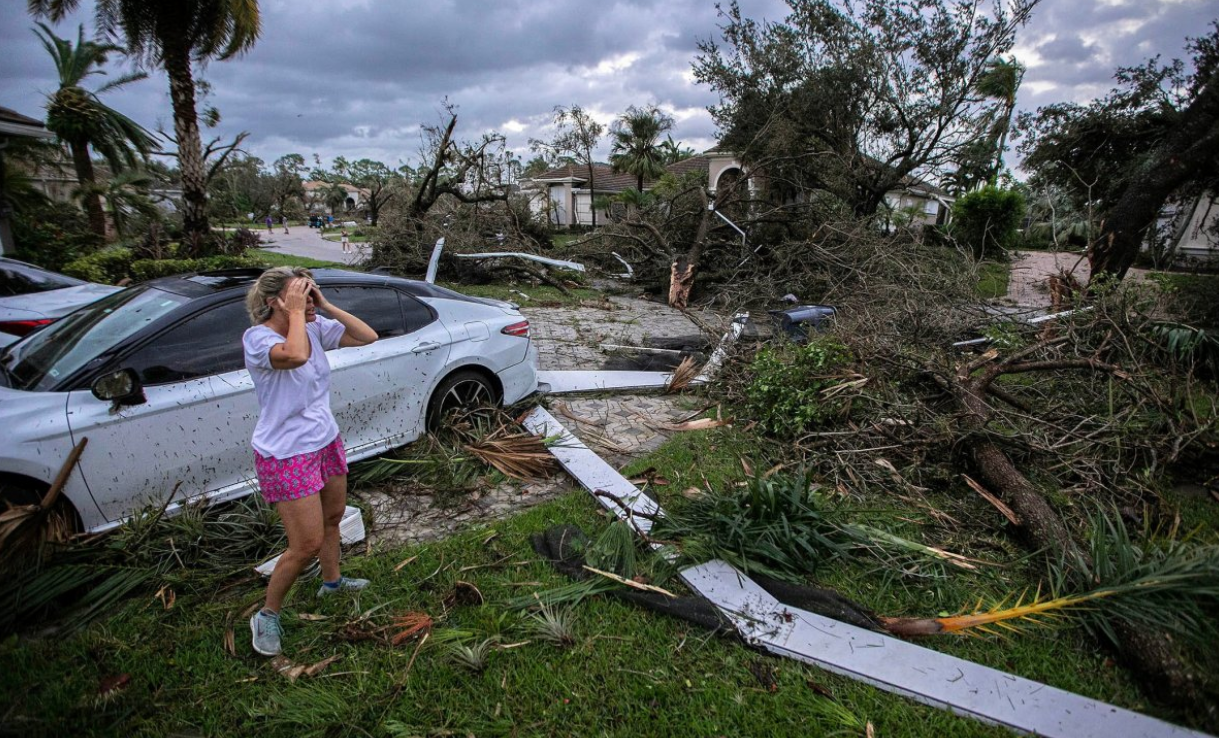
(82, 121)
(172, 36)
(1000, 80)
(636, 147)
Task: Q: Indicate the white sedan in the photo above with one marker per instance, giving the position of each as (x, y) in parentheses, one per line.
(153, 376)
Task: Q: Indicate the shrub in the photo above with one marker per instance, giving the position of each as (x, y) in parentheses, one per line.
(108, 266)
(988, 220)
(146, 269)
(786, 394)
(53, 234)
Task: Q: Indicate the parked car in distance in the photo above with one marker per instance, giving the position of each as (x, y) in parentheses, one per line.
(32, 297)
(154, 377)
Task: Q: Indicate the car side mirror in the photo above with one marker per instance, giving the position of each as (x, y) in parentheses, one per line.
(122, 388)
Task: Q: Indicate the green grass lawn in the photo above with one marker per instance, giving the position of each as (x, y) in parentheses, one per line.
(992, 279)
(629, 671)
(276, 258)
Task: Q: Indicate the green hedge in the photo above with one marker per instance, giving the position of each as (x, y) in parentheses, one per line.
(108, 266)
(116, 264)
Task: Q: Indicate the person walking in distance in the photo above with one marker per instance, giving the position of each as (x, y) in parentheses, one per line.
(283, 221)
(346, 242)
(298, 454)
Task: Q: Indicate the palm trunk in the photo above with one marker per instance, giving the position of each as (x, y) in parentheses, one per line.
(88, 183)
(197, 234)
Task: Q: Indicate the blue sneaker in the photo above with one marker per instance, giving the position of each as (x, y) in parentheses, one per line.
(345, 584)
(267, 633)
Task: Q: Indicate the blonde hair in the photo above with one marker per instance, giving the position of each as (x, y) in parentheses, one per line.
(270, 283)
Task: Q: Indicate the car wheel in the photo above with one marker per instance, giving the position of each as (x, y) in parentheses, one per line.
(20, 491)
(460, 391)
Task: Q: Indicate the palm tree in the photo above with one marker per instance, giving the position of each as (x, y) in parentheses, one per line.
(1000, 80)
(81, 120)
(636, 147)
(672, 152)
(335, 197)
(173, 35)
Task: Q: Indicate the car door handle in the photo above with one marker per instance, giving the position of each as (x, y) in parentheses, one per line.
(425, 347)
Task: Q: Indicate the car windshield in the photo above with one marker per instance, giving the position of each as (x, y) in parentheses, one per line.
(59, 350)
(23, 279)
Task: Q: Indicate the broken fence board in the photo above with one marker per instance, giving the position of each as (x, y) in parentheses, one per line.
(592, 472)
(721, 350)
(557, 263)
(562, 382)
(924, 675)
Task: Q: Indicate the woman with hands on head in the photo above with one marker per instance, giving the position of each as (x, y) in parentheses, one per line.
(298, 454)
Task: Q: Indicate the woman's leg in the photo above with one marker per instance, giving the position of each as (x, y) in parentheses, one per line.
(334, 502)
(303, 520)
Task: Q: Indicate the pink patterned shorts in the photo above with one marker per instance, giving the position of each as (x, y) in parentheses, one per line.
(301, 475)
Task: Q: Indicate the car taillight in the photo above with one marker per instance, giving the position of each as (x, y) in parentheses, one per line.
(26, 327)
(520, 330)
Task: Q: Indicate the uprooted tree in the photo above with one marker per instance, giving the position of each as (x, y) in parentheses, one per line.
(460, 192)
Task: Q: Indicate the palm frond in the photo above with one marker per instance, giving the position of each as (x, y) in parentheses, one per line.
(685, 373)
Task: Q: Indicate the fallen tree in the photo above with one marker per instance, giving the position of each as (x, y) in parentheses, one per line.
(1093, 413)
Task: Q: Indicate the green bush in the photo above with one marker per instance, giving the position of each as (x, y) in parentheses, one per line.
(53, 234)
(108, 266)
(786, 393)
(988, 220)
(143, 270)
(115, 264)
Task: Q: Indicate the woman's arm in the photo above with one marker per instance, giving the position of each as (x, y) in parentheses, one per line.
(355, 331)
(295, 351)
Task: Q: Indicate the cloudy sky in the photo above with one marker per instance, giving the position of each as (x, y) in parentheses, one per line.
(357, 78)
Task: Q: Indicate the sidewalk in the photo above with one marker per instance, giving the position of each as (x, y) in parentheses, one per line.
(308, 242)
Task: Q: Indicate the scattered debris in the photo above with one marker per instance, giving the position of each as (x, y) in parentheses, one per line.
(683, 375)
(294, 671)
(630, 271)
(693, 425)
(110, 686)
(513, 453)
(463, 594)
(928, 676)
(567, 382)
(411, 625)
(434, 263)
(721, 350)
(557, 263)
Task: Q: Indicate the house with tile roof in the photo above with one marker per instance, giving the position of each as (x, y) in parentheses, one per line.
(315, 196)
(563, 197)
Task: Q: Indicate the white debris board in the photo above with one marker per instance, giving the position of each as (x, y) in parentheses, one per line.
(561, 382)
(927, 676)
(592, 471)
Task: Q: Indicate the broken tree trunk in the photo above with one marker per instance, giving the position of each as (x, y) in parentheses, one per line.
(1151, 654)
(681, 276)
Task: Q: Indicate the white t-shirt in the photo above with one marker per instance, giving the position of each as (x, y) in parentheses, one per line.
(294, 404)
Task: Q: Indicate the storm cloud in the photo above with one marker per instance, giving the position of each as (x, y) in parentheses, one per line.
(358, 78)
